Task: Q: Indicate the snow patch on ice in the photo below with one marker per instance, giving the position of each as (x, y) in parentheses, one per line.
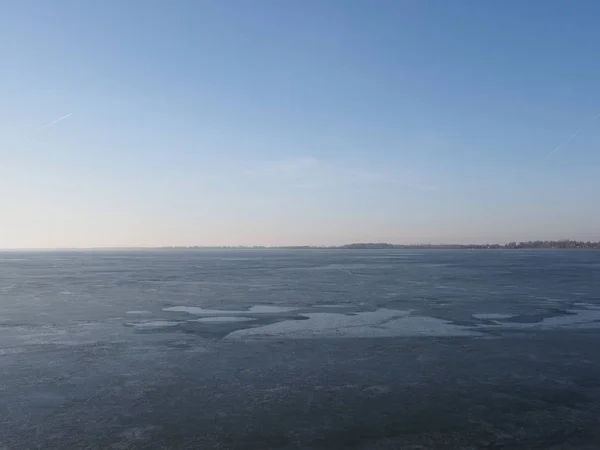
(332, 306)
(587, 305)
(378, 390)
(270, 309)
(577, 319)
(257, 309)
(154, 324)
(380, 323)
(11, 351)
(221, 319)
(427, 326)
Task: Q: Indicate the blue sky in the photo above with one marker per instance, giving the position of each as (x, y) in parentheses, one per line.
(298, 122)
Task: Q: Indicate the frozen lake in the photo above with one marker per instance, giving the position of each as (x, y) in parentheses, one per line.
(323, 349)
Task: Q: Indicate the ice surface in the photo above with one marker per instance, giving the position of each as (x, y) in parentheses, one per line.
(380, 323)
(222, 319)
(138, 312)
(258, 309)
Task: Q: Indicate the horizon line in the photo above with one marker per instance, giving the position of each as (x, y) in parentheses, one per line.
(355, 245)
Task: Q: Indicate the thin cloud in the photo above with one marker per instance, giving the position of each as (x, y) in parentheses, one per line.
(573, 136)
(559, 146)
(54, 122)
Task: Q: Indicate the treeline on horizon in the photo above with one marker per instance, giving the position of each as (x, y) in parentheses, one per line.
(562, 244)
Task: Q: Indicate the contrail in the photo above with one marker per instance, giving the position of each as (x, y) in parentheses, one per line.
(579, 130)
(48, 125)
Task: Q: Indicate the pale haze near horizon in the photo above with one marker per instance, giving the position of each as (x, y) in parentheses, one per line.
(301, 122)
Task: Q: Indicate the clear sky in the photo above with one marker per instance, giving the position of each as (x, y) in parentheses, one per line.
(148, 123)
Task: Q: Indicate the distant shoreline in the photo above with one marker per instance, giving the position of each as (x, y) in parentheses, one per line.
(525, 245)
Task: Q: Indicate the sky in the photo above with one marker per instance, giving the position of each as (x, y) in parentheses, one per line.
(321, 122)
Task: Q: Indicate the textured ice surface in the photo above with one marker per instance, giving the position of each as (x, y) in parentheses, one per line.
(138, 312)
(222, 319)
(258, 309)
(380, 323)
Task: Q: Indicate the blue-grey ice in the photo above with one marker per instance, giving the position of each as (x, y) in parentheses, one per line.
(492, 316)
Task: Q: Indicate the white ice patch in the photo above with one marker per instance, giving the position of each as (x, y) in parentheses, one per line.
(492, 316)
(11, 351)
(427, 326)
(154, 324)
(331, 306)
(258, 309)
(138, 312)
(348, 266)
(221, 319)
(138, 433)
(577, 319)
(586, 305)
(270, 309)
(380, 323)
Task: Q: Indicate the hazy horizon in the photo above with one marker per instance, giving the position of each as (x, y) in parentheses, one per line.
(298, 123)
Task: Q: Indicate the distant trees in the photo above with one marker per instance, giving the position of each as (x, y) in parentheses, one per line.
(562, 244)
